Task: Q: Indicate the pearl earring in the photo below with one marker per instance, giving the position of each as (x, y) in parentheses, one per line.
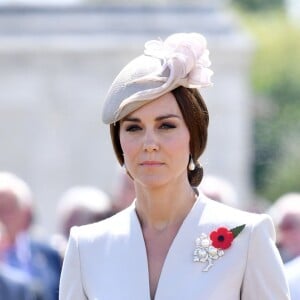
(191, 164)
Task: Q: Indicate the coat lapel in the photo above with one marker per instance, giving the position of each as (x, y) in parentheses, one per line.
(178, 267)
(139, 269)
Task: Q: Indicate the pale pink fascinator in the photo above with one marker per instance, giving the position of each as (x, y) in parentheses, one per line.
(181, 60)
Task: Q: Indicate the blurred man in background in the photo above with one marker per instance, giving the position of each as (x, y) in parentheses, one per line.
(34, 259)
(13, 284)
(219, 189)
(123, 192)
(79, 205)
(285, 213)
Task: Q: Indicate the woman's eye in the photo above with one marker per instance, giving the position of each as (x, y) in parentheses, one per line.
(133, 128)
(167, 126)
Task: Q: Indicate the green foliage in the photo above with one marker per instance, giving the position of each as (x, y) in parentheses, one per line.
(258, 5)
(275, 76)
(284, 173)
(237, 230)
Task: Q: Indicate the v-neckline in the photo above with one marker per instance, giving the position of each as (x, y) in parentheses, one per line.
(192, 218)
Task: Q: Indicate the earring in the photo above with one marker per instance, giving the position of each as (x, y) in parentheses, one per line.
(191, 164)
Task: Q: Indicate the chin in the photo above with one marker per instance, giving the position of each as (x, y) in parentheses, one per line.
(153, 181)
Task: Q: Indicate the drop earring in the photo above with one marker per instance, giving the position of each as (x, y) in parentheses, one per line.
(191, 164)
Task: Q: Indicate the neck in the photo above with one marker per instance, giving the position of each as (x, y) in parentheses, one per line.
(160, 209)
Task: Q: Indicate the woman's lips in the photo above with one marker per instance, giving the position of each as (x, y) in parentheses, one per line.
(151, 163)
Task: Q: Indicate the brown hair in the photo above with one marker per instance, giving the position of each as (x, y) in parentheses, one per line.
(196, 117)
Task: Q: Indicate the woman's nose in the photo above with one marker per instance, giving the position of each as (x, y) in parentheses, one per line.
(150, 147)
(150, 143)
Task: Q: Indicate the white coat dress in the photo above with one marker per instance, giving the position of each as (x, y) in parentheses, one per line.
(107, 260)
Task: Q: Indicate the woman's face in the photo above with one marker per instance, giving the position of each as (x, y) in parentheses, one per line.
(155, 143)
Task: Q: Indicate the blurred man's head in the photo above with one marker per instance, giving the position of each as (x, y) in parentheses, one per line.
(82, 205)
(286, 216)
(123, 192)
(15, 204)
(219, 189)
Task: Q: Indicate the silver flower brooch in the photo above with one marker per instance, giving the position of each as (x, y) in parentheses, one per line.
(210, 248)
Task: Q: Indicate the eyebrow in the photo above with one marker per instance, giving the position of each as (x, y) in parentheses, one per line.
(160, 118)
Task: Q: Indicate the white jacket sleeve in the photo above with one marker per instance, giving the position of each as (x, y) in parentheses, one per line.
(264, 275)
(71, 286)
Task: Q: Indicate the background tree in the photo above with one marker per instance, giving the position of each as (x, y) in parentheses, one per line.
(275, 77)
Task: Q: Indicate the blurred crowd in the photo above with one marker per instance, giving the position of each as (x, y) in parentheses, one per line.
(30, 268)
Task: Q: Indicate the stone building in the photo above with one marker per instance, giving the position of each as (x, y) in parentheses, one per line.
(56, 64)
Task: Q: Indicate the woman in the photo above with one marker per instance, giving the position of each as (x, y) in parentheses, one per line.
(172, 242)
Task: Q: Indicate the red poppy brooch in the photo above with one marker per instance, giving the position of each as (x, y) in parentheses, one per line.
(210, 248)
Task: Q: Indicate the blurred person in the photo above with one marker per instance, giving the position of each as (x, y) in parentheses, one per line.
(219, 189)
(78, 206)
(292, 269)
(13, 284)
(4, 240)
(123, 191)
(172, 242)
(285, 213)
(37, 260)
